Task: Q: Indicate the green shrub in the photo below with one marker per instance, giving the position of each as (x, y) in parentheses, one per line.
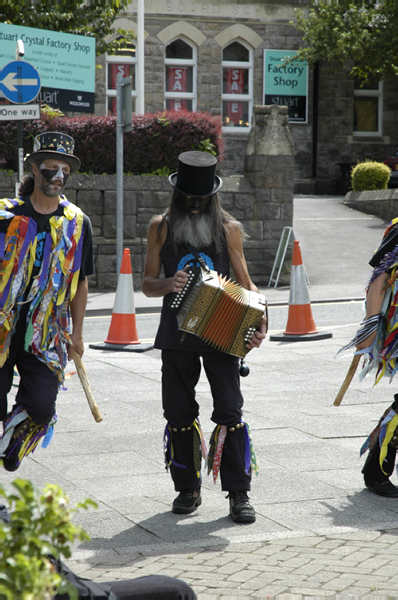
(370, 175)
(40, 525)
(153, 145)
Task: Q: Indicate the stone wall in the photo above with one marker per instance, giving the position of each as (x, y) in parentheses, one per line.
(381, 203)
(261, 199)
(144, 197)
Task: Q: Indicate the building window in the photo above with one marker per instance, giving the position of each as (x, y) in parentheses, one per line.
(180, 63)
(124, 62)
(237, 90)
(368, 109)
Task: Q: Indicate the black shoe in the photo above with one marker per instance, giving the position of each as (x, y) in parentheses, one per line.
(240, 509)
(187, 501)
(11, 464)
(382, 488)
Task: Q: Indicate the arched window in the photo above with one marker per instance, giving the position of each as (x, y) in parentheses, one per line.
(180, 80)
(237, 86)
(123, 62)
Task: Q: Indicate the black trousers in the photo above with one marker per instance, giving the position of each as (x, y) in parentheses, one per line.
(180, 375)
(38, 387)
(371, 469)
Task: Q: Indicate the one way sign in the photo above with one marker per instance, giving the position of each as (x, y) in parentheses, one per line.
(19, 82)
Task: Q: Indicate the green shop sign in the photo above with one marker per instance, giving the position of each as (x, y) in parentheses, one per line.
(286, 84)
(65, 62)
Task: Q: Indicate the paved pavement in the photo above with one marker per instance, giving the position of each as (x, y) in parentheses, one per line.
(318, 531)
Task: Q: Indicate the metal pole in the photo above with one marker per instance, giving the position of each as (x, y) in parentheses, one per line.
(140, 108)
(20, 150)
(119, 172)
(19, 53)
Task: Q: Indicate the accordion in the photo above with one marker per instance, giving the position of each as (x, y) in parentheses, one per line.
(218, 311)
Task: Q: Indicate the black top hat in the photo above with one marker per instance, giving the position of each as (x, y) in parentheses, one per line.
(196, 175)
(53, 144)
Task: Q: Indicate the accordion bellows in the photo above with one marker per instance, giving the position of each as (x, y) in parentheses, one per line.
(218, 311)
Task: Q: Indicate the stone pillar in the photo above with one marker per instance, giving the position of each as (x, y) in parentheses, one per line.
(269, 167)
(269, 161)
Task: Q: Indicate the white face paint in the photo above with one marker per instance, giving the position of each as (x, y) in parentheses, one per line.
(57, 174)
(54, 174)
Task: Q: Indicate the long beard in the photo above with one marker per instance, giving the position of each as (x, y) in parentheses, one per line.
(193, 229)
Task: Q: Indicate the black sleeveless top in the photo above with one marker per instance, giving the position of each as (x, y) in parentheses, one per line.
(168, 335)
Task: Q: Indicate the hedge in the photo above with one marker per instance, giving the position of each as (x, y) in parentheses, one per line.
(154, 144)
(370, 175)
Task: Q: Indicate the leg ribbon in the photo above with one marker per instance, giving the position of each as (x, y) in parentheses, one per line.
(383, 433)
(199, 445)
(11, 421)
(387, 430)
(250, 456)
(22, 435)
(216, 446)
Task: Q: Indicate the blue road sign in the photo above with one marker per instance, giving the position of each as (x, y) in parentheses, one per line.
(19, 82)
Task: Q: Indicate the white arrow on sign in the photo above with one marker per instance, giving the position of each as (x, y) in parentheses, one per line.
(10, 83)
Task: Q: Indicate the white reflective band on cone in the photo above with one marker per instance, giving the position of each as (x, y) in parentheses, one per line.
(298, 286)
(124, 302)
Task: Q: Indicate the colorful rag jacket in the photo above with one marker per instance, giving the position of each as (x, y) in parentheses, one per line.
(381, 357)
(49, 295)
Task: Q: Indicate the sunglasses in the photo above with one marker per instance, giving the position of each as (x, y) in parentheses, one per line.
(197, 200)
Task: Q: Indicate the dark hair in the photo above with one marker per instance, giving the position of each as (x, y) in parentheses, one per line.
(28, 182)
(219, 219)
(27, 185)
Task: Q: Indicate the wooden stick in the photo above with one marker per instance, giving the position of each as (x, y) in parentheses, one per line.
(348, 379)
(81, 371)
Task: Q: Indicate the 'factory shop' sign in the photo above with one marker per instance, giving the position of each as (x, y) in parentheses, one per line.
(286, 84)
(65, 62)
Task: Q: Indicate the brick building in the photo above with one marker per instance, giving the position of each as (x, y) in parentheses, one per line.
(211, 57)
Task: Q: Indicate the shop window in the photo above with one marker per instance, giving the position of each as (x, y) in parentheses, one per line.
(368, 109)
(123, 62)
(180, 80)
(237, 86)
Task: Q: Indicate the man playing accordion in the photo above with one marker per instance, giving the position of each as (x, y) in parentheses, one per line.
(195, 228)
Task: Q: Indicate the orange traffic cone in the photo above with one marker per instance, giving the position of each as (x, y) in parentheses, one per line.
(300, 323)
(123, 329)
